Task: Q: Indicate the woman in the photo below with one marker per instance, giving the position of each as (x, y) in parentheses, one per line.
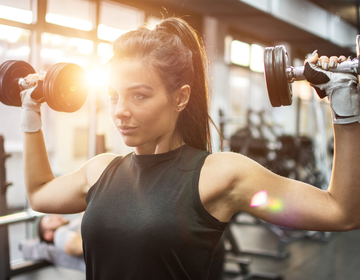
(159, 212)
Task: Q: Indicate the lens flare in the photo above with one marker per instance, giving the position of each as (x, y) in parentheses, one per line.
(97, 78)
(275, 205)
(259, 199)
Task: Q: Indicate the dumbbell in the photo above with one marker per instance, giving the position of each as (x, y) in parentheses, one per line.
(279, 74)
(64, 87)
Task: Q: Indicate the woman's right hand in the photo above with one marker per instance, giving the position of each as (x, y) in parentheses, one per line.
(32, 79)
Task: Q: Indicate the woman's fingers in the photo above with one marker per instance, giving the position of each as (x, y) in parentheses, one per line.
(326, 62)
(314, 57)
(333, 61)
(342, 58)
(32, 79)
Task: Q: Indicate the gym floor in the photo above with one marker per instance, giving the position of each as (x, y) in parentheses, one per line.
(336, 259)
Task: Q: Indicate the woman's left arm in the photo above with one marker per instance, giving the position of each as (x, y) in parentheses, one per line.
(231, 181)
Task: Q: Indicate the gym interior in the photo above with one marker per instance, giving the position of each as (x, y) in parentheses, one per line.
(294, 140)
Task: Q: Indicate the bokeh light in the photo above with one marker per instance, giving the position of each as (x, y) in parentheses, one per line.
(240, 53)
(257, 58)
(259, 199)
(69, 22)
(16, 14)
(275, 205)
(109, 33)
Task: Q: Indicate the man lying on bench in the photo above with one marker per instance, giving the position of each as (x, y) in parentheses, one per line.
(65, 235)
(58, 241)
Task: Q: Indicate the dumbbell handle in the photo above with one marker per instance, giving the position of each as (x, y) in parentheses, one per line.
(38, 93)
(23, 84)
(297, 73)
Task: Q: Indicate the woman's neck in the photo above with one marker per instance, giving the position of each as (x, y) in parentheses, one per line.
(159, 148)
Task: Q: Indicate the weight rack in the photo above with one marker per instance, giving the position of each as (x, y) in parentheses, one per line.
(7, 269)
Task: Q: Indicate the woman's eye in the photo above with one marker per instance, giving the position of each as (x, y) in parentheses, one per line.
(113, 96)
(138, 96)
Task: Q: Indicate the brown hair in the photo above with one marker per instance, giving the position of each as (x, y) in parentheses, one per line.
(41, 231)
(174, 50)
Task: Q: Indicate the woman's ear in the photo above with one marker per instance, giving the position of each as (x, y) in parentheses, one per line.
(183, 97)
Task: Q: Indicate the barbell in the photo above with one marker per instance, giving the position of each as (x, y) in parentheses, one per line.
(279, 74)
(64, 87)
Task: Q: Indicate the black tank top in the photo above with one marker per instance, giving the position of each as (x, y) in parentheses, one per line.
(145, 219)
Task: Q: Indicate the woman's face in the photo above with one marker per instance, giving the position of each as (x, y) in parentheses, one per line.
(140, 107)
(53, 222)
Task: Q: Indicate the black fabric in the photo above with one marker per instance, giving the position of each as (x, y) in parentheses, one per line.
(320, 92)
(316, 78)
(145, 219)
(216, 271)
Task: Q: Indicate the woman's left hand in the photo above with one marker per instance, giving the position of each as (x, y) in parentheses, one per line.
(324, 61)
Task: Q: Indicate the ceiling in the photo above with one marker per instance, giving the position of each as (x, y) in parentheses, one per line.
(346, 9)
(253, 23)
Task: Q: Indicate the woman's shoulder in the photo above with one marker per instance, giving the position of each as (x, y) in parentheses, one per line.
(227, 166)
(225, 160)
(97, 165)
(102, 160)
(218, 177)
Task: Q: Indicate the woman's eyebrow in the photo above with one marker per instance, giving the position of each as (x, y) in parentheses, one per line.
(140, 86)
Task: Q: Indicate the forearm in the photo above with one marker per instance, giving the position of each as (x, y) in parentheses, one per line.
(73, 245)
(37, 169)
(345, 182)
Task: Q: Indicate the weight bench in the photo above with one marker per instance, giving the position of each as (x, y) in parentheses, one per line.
(234, 256)
(8, 269)
(35, 250)
(35, 253)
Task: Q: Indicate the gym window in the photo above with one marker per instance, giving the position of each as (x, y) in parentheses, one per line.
(19, 11)
(110, 27)
(79, 17)
(14, 43)
(244, 54)
(240, 53)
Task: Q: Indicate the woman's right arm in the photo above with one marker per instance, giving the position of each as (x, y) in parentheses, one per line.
(65, 194)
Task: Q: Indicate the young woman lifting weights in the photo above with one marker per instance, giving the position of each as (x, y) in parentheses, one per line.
(158, 213)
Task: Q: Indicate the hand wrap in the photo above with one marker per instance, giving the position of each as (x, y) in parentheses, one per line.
(30, 112)
(341, 89)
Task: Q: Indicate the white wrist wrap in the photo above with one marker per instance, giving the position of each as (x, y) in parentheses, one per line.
(343, 95)
(30, 112)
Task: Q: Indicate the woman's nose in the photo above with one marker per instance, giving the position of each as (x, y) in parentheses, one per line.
(122, 109)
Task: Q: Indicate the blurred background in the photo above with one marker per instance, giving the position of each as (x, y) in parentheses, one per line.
(45, 32)
(235, 33)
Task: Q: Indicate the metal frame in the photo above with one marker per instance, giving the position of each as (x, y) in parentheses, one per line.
(6, 269)
(40, 26)
(235, 256)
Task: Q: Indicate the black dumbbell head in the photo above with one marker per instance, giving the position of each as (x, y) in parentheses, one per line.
(276, 61)
(270, 77)
(281, 61)
(65, 87)
(10, 73)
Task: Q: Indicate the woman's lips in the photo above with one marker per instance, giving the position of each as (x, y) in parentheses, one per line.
(126, 130)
